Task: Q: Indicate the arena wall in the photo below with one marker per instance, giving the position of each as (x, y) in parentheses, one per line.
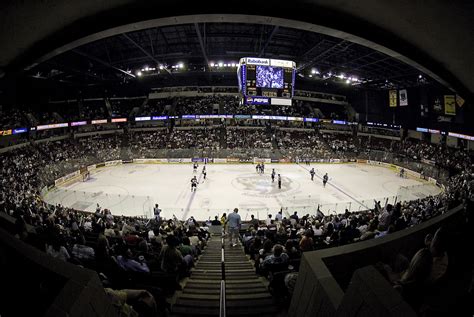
(50, 286)
(324, 275)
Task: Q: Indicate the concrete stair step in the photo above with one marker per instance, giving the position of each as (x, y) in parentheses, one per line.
(198, 303)
(190, 311)
(229, 297)
(255, 283)
(229, 291)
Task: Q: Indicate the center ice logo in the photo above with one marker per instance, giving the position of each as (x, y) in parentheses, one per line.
(255, 185)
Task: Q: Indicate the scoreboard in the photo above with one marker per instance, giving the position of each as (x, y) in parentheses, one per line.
(264, 81)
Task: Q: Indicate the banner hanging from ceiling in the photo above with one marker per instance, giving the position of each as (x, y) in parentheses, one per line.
(403, 97)
(392, 96)
(450, 105)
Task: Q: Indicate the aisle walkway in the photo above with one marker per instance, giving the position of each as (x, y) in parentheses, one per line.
(246, 295)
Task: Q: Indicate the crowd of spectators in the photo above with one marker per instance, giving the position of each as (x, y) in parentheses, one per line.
(196, 138)
(133, 249)
(12, 118)
(302, 145)
(155, 107)
(103, 108)
(341, 144)
(127, 252)
(248, 138)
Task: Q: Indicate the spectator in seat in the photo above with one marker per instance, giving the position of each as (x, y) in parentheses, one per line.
(440, 256)
(132, 303)
(254, 222)
(277, 257)
(414, 281)
(265, 251)
(291, 250)
(20, 229)
(57, 250)
(126, 262)
(385, 216)
(255, 247)
(306, 243)
(171, 259)
(268, 221)
(216, 221)
(185, 247)
(295, 216)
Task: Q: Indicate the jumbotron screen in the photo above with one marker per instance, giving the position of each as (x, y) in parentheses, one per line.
(266, 81)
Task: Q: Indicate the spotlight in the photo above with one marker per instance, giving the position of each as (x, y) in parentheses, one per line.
(180, 65)
(139, 73)
(347, 81)
(161, 67)
(221, 64)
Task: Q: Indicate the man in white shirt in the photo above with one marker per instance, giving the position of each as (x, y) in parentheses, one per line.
(279, 216)
(268, 221)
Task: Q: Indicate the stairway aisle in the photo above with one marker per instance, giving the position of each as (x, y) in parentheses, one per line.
(246, 295)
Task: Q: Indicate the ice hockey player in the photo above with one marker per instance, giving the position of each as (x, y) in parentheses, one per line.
(402, 173)
(312, 172)
(325, 179)
(194, 183)
(279, 181)
(204, 173)
(195, 167)
(273, 175)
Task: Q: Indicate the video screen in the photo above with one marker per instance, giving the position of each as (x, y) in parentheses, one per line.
(269, 77)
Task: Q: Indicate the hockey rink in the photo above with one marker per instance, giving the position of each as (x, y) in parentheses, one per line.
(133, 189)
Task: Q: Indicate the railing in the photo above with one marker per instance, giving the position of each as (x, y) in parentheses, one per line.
(222, 307)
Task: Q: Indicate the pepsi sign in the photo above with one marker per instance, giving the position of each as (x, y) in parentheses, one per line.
(258, 100)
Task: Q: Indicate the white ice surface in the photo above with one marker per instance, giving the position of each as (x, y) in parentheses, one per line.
(133, 189)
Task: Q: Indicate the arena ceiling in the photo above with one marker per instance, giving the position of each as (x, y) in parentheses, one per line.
(384, 44)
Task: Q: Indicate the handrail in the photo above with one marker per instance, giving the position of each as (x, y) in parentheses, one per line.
(222, 307)
(223, 261)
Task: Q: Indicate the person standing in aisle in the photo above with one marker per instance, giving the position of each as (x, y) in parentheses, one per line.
(234, 222)
(224, 222)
